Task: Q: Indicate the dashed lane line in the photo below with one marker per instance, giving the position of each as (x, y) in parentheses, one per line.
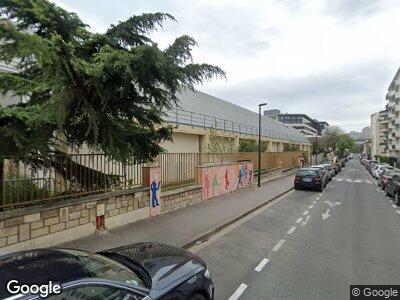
(261, 265)
(278, 245)
(305, 213)
(291, 230)
(299, 220)
(239, 291)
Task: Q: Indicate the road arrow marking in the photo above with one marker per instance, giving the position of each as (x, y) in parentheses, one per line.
(238, 292)
(299, 220)
(333, 204)
(326, 215)
(261, 265)
(291, 230)
(278, 245)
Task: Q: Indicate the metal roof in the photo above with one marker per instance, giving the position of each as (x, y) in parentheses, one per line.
(199, 109)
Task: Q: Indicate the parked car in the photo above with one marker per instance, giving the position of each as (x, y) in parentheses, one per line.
(324, 172)
(138, 271)
(339, 166)
(309, 178)
(343, 163)
(329, 169)
(370, 164)
(385, 176)
(393, 188)
(380, 169)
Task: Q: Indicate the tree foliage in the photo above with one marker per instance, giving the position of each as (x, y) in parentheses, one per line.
(335, 139)
(251, 146)
(108, 91)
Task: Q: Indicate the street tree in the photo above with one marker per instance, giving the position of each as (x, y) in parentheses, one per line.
(107, 90)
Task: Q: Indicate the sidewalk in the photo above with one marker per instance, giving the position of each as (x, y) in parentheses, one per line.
(182, 226)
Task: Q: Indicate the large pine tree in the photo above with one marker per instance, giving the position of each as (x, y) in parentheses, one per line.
(107, 90)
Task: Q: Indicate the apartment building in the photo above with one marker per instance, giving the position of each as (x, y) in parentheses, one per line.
(393, 118)
(379, 133)
(301, 122)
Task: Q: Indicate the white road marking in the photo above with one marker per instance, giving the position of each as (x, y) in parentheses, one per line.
(377, 190)
(367, 181)
(333, 204)
(320, 194)
(240, 290)
(318, 198)
(339, 179)
(291, 230)
(261, 265)
(278, 245)
(305, 213)
(326, 215)
(395, 206)
(349, 180)
(311, 206)
(314, 202)
(398, 211)
(305, 220)
(299, 220)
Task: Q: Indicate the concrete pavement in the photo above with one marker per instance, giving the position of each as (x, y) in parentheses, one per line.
(182, 226)
(311, 245)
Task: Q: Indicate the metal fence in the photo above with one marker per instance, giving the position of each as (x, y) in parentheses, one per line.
(37, 178)
(180, 116)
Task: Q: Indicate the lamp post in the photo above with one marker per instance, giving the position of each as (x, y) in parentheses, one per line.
(259, 142)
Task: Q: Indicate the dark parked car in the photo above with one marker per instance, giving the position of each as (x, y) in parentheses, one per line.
(138, 271)
(309, 178)
(324, 173)
(393, 188)
(385, 176)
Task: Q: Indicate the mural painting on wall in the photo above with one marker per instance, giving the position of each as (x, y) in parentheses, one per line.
(218, 180)
(155, 191)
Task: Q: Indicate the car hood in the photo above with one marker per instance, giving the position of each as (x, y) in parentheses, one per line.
(165, 264)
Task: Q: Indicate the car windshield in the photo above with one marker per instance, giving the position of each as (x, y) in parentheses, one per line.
(391, 173)
(307, 172)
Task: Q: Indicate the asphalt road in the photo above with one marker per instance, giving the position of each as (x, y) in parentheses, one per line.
(310, 245)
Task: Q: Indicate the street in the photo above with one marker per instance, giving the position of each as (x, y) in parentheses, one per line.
(310, 245)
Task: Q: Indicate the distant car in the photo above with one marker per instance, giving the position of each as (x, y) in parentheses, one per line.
(393, 188)
(370, 164)
(385, 176)
(138, 271)
(329, 169)
(324, 172)
(339, 166)
(309, 178)
(380, 169)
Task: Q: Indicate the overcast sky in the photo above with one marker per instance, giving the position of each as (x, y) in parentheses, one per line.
(332, 59)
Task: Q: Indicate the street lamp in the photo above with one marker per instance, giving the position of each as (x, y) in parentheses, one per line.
(259, 142)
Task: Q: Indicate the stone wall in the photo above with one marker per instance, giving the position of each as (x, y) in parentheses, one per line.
(49, 225)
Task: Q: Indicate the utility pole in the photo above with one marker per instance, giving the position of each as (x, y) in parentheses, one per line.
(259, 142)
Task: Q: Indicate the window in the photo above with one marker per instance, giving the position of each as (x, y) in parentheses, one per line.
(95, 293)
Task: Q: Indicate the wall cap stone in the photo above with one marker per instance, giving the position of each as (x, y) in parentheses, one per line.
(68, 202)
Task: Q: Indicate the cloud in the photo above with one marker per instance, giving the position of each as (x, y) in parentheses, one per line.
(331, 59)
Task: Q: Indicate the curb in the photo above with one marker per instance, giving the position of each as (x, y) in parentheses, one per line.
(204, 237)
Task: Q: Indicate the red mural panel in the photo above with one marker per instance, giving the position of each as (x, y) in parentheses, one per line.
(223, 179)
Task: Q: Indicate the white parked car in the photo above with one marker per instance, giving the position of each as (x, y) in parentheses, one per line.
(377, 170)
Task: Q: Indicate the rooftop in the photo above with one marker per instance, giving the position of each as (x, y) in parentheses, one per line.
(203, 110)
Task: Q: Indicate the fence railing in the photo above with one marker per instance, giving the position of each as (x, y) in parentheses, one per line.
(181, 116)
(38, 178)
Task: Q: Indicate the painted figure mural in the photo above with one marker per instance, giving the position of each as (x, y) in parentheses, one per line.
(154, 187)
(155, 190)
(224, 179)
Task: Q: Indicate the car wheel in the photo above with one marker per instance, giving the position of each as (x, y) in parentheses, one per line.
(197, 297)
(382, 187)
(396, 198)
(296, 187)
